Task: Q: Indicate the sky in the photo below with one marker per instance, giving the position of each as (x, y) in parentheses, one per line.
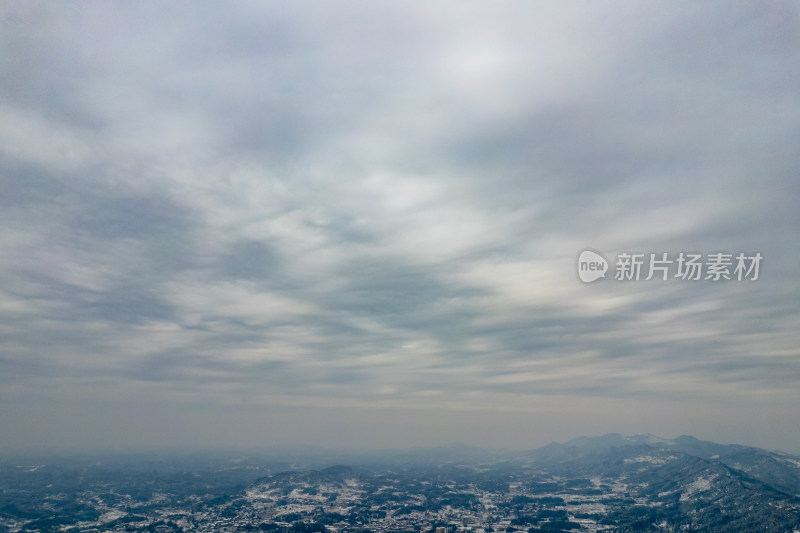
(356, 224)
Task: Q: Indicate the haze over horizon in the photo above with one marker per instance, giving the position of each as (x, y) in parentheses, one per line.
(356, 224)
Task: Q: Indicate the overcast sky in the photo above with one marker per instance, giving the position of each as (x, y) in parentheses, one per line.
(356, 224)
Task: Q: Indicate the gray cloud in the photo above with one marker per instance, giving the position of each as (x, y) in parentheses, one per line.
(288, 214)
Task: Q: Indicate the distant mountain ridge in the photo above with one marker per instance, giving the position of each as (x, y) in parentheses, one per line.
(776, 470)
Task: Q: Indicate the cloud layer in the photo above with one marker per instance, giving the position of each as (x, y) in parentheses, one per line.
(358, 223)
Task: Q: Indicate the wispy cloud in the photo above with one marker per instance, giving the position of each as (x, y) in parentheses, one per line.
(302, 208)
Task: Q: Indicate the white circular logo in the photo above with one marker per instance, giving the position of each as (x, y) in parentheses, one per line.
(591, 266)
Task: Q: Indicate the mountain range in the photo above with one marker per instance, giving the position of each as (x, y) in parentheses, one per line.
(588, 484)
